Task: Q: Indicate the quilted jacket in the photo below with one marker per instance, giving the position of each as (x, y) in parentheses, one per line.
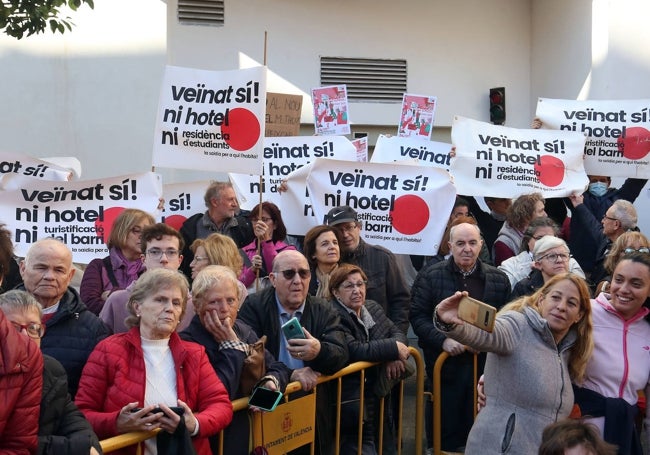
(115, 375)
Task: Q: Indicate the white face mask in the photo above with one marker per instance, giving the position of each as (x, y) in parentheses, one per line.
(598, 188)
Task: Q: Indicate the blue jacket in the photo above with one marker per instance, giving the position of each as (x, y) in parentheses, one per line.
(71, 335)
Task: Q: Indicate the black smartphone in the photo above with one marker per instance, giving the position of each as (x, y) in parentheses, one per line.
(177, 409)
(264, 398)
(292, 329)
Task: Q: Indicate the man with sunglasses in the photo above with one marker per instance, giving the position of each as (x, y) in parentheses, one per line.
(322, 350)
(72, 331)
(161, 248)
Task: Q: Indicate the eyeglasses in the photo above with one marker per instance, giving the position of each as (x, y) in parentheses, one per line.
(265, 219)
(199, 258)
(290, 273)
(33, 329)
(553, 257)
(347, 286)
(643, 249)
(346, 228)
(156, 253)
(605, 217)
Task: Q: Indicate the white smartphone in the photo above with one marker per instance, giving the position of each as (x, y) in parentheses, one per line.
(477, 313)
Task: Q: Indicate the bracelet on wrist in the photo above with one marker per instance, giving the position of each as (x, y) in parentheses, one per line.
(440, 324)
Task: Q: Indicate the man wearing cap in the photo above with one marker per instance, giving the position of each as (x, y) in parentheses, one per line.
(386, 285)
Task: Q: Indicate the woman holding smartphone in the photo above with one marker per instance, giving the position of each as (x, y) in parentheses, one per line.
(527, 387)
(129, 375)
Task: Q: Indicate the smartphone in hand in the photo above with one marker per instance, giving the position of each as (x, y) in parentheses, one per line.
(477, 313)
(292, 329)
(264, 398)
(177, 409)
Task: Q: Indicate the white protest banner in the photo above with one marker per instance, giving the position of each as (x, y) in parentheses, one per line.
(399, 206)
(395, 148)
(70, 163)
(417, 115)
(506, 162)
(283, 155)
(32, 169)
(295, 203)
(618, 136)
(79, 213)
(182, 200)
(211, 120)
(331, 110)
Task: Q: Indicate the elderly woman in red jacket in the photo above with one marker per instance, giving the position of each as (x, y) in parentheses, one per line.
(130, 374)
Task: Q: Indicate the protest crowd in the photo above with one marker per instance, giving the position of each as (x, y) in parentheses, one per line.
(163, 332)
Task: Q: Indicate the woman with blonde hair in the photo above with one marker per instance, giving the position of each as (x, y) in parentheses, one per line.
(218, 249)
(539, 344)
(122, 266)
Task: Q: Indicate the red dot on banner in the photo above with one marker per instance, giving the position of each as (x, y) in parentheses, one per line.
(103, 227)
(410, 214)
(243, 129)
(551, 170)
(636, 143)
(175, 221)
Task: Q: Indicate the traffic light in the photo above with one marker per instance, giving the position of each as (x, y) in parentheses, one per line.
(498, 105)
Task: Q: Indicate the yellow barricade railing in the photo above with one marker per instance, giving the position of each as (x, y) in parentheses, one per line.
(437, 409)
(241, 405)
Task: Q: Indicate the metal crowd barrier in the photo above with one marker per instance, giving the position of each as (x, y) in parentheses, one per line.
(259, 425)
(435, 397)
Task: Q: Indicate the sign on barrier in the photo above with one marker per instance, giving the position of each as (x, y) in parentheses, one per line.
(290, 425)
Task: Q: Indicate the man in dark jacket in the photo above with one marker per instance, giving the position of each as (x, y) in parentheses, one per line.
(386, 284)
(322, 351)
(72, 331)
(463, 271)
(223, 216)
(593, 204)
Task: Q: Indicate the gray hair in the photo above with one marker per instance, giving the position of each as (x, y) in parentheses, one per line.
(210, 277)
(546, 243)
(455, 227)
(214, 191)
(39, 243)
(625, 213)
(20, 301)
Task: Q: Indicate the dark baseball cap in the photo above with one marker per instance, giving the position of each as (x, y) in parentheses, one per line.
(342, 214)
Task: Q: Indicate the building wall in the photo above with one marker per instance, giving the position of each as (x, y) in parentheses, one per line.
(93, 92)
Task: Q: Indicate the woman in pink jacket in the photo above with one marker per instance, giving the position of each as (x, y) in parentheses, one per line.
(148, 378)
(620, 364)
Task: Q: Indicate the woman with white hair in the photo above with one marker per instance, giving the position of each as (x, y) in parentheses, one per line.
(550, 257)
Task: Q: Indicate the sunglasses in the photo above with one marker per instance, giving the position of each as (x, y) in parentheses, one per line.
(643, 249)
(290, 273)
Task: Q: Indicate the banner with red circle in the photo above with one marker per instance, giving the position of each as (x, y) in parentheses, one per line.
(618, 132)
(398, 205)
(211, 120)
(506, 162)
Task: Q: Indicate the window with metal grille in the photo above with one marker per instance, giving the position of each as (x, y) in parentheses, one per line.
(366, 79)
(201, 12)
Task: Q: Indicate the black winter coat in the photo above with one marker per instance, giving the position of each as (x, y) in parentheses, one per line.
(62, 427)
